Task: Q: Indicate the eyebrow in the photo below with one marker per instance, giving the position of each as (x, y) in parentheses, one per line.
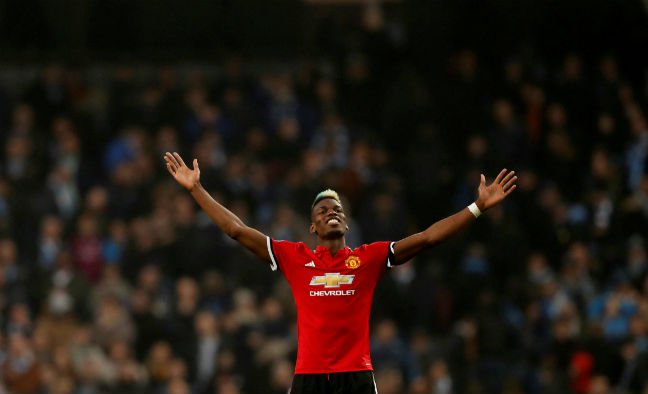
(325, 208)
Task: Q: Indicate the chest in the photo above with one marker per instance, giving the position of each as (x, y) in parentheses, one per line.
(317, 271)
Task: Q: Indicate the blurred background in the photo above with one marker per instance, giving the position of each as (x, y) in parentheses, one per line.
(113, 281)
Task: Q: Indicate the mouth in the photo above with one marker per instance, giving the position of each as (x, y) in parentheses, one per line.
(333, 221)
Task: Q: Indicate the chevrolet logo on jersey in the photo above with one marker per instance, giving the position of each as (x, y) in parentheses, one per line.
(332, 280)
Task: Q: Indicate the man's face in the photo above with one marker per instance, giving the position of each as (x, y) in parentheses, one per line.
(328, 220)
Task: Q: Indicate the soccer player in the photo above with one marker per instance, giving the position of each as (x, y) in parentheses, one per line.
(333, 285)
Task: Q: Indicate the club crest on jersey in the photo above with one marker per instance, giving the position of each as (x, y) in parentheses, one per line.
(352, 262)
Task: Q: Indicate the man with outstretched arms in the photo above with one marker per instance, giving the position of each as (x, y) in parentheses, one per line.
(333, 285)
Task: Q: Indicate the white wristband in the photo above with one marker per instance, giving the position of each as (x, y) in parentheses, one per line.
(474, 209)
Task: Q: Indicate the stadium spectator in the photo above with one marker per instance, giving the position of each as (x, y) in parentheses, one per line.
(107, 271)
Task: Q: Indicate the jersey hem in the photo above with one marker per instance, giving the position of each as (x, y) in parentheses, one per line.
(320, 371)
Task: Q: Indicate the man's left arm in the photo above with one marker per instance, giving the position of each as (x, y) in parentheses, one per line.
(488, 196)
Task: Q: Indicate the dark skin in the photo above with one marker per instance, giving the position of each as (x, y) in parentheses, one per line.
(330, 234)
(328, 221)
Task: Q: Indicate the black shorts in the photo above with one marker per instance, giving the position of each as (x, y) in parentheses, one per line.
(359, 382)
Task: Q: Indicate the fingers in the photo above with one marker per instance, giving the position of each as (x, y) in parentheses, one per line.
(195, 166)
(179, 159)
(170, 168)
(504, 178)
(508, 178)
(499, 177)
(170, 159)
(510, 183)
(170, 162)
(482, 179)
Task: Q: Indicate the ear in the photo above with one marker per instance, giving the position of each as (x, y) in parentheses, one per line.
(312, 228)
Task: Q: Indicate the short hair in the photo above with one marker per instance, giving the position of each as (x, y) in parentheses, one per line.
(324, 194)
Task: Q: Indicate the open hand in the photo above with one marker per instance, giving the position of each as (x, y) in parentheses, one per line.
(185, 176)
(502, 186)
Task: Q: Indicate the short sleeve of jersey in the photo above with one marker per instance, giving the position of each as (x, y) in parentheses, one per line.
(281, 253)
(381, 252)
(391, 261)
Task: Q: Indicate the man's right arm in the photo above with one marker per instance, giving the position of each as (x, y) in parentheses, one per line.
(232, 225)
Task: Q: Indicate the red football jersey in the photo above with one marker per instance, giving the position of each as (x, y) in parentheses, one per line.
(333, 295)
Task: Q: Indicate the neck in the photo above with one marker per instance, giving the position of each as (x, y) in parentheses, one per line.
(333, 244)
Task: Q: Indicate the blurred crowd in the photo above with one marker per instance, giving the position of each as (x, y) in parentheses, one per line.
(113, 281)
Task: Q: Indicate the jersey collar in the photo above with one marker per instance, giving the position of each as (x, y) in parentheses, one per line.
(322, 251)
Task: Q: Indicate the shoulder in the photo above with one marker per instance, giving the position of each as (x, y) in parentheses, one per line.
(277, 244)
(380, 254)
(378, 249)
(291, 244)
(380, 245)
(282, 253)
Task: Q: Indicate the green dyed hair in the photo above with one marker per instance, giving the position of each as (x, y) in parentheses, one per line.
(328, 193)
